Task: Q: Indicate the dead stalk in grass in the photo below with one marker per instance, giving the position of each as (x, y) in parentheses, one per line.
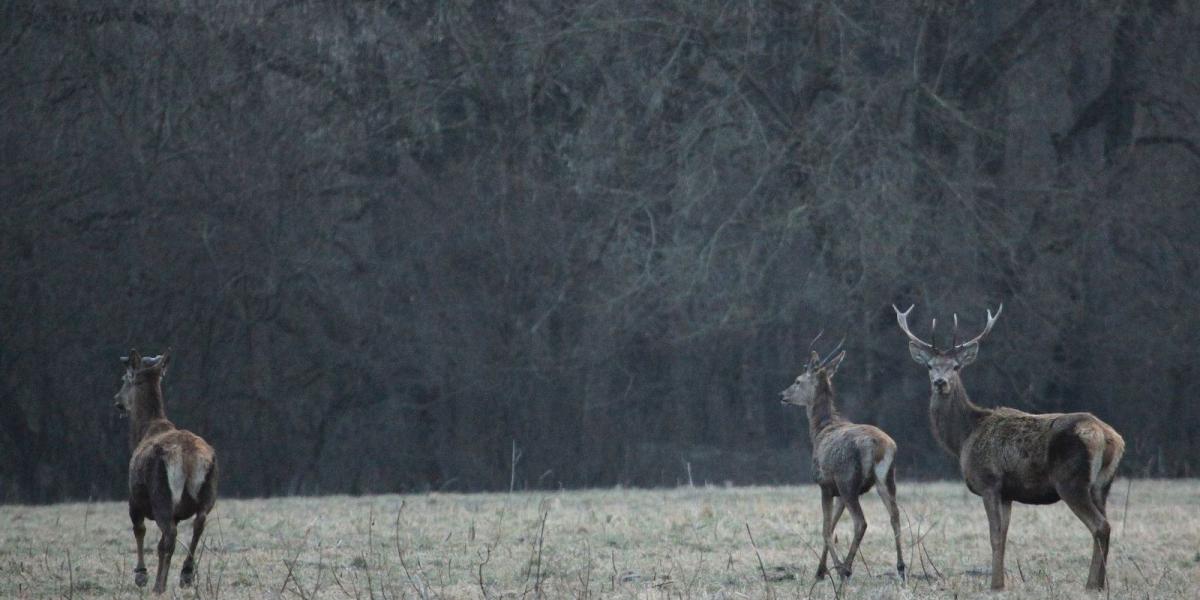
(538, 543)
(761, 568)
(291, 566)
(482, 563)
(1125, 511)
(419, 589)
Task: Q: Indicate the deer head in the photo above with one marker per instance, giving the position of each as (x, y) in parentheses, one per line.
(804, 389)
(944, 364)
(140, 373)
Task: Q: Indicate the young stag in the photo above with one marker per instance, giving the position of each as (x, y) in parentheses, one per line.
(172, 473)
(1007, 455)
(848, 459)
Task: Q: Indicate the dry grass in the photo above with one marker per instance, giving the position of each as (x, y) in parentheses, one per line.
(610, 543)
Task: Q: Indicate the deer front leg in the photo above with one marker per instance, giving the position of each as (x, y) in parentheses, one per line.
(139, 536)
(997, 515)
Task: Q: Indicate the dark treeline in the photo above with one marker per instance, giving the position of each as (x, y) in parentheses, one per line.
(467, 245)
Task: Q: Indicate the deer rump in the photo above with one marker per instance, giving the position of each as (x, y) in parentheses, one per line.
(173, 467)
(854, 453)
(1026, 454)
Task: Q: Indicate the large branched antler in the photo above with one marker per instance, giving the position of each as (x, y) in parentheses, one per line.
(902, 319)
(991, 320)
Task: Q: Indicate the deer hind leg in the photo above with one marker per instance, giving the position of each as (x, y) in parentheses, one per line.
(998, 513)
(139, 536)
(830, 523)
(187, 573)
(207, 497)
(860, 527)
(1081, 501)
(163, 509)
(887, 493)
(1100, 496)
(166, 548)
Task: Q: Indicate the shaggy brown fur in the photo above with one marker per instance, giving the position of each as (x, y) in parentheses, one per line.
(848, 459)
(1007, 455)
(172, 473)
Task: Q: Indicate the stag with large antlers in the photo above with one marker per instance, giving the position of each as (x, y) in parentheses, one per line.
(172, 473)
(1007, 455)
(848, 459)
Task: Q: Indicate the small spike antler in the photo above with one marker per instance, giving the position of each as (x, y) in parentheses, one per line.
(832, 353)
(902, 320)
(811, 362)
(991, 321)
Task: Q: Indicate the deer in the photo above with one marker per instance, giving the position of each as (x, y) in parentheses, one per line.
(172, 472)
(1007, 455)
(847, 460)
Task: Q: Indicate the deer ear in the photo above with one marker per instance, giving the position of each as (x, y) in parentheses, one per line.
(967, 354)
(813, 359)
(134, 360)
(832, 367)
(919, 354)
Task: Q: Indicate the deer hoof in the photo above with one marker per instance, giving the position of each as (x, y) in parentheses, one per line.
(185, 578)
(900, 570)
(139, 577)
(843, 572)
(822, 572)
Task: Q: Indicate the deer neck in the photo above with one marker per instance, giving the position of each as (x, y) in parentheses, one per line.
(954, 417)
(148, 417)
(821, 411)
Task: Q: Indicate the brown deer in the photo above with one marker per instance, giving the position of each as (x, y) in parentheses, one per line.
(1007, 455)
(172, 473)
(848, 458)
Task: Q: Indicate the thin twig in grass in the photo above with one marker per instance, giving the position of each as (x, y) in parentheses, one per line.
(316, 591)
(928, 557)
(291, 565)
(1125, 511)
(512, 476)
(338, 580)
(923, 552)
(482, 563)
(691, 583)
(366, 556)
(865, 563)
(761, 568)
(537, 545)
(585, 578)
(400, 555)
(1140, 571)
(70, 576)
(612, 557)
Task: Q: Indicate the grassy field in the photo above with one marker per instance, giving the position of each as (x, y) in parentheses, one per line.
(689, 542)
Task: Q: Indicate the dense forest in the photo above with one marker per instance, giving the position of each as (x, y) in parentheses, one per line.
(402, 246)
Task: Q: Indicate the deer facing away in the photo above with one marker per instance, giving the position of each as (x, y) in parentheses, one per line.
(1007, 455)
(848, 459)
(172, 473)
